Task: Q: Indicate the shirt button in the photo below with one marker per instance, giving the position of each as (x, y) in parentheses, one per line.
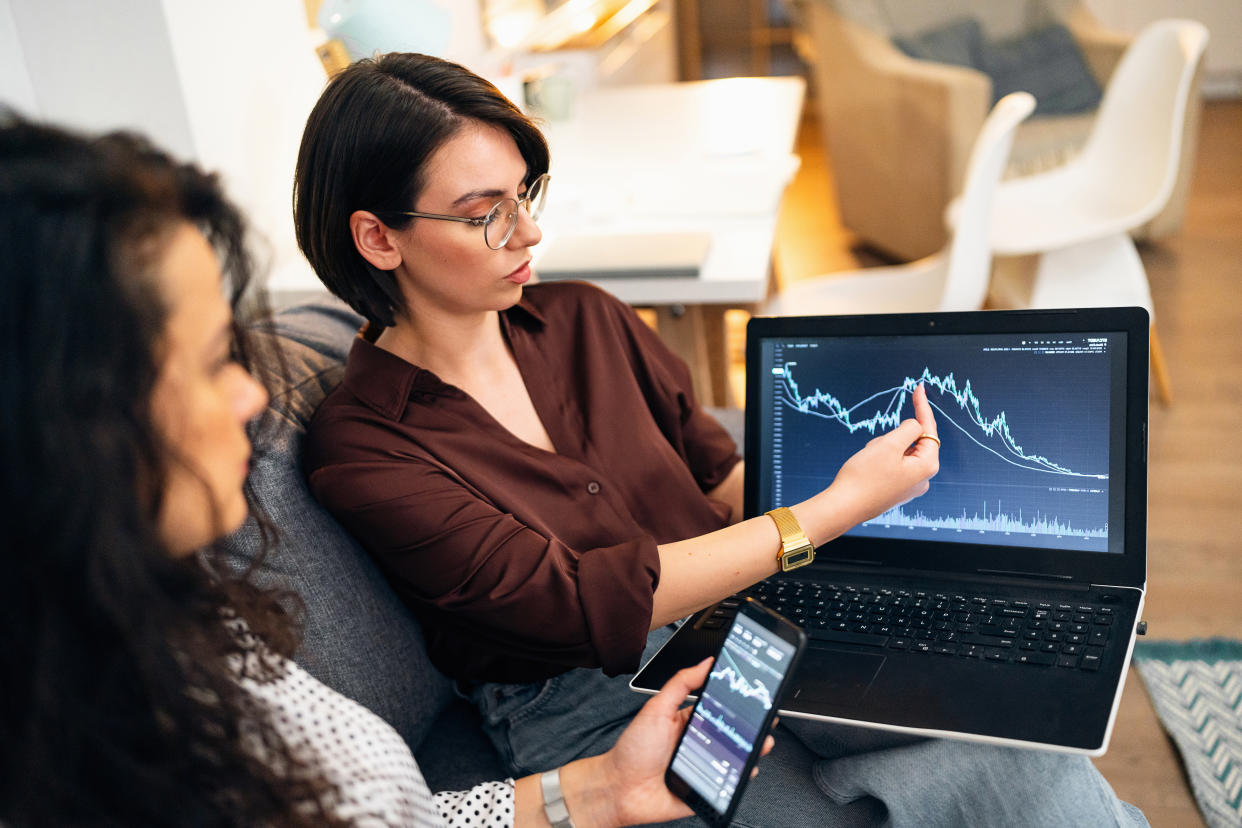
(593, 488)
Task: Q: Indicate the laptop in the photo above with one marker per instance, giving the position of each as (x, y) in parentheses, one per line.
(624, 256)
(1000, 606)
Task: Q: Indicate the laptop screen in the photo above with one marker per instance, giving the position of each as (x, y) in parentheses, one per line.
(1033, 422)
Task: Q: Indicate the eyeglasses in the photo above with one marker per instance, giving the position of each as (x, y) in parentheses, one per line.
(500, 222)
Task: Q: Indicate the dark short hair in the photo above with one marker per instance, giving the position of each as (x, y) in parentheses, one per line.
(366, 147)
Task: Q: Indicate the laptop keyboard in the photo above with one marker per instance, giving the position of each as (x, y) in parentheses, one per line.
(958, 625)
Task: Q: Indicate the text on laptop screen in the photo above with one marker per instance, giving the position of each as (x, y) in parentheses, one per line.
(1032, 429)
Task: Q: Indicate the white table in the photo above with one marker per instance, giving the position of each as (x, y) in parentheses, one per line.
(708, 156)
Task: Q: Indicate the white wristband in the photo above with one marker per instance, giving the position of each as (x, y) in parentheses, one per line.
(554, 800)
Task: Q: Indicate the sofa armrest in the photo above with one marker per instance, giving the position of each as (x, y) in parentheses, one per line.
(898, 129)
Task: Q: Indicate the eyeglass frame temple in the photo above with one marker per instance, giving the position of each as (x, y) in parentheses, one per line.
(480, 221)
(477, 221)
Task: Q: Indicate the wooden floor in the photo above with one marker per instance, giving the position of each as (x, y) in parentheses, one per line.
(1195, 556)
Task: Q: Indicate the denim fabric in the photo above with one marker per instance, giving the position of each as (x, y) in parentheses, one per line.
(819, 774)
(947, 782)
(545, 724)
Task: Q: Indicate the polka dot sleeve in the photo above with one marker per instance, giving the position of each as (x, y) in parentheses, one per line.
(375, 780)
(489, 805)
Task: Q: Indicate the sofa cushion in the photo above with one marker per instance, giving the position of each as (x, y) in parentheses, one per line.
(359, 638)
(1047, 63)
(958, 42)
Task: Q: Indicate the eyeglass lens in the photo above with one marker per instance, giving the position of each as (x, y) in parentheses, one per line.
(502, 219)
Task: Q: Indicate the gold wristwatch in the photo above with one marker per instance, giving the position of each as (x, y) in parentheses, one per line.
(796, 549)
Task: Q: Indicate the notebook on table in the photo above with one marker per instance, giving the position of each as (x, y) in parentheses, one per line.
(624, 256)
(1002, 605)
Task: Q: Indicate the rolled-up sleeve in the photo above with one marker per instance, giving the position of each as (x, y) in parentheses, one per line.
(621, 580)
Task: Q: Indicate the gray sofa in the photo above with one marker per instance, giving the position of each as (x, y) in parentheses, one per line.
(359, 638)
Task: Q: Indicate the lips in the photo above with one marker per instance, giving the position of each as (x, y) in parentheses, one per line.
(522, 275)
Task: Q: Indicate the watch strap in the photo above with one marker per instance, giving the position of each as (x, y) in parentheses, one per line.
(553, 800)
(796, 548)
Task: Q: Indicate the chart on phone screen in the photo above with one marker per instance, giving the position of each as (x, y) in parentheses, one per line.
(727, 720)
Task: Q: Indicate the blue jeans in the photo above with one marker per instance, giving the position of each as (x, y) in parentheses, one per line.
(819, 774)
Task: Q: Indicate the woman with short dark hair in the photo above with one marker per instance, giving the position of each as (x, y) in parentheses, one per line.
(530, 468)
(143, 683)
(364, 144)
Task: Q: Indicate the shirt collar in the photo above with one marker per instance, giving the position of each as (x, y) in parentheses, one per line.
(527, 308)
(380, 380)
(386, 383)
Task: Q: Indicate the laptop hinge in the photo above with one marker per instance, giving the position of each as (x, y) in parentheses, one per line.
(1038, 576)
(1065, 581)
(1011, 576)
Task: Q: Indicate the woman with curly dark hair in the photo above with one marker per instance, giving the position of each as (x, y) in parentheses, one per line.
(142, 683)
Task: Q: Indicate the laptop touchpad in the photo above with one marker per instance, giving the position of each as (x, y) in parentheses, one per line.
(835, 676)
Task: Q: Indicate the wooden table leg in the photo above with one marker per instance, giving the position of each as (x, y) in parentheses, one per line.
(716, 343)
(696, 333)
(689, 41)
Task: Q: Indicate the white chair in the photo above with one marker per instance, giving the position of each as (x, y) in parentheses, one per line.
(899, 130)
(1076, 218)
(956, 278)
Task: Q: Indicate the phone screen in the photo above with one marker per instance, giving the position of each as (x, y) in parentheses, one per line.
(732, 714)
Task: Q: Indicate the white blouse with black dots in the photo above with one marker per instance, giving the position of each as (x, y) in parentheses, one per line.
(376, 780)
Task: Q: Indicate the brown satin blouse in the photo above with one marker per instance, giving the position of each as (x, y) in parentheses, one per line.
(524, 563)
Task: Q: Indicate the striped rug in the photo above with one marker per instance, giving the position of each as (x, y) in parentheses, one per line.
(1196, 687)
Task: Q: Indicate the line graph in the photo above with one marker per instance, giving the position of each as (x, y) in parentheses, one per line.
(1039, 424)
(895, 409)
(738, 682)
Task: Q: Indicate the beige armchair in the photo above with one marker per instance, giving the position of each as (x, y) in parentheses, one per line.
(899, 131)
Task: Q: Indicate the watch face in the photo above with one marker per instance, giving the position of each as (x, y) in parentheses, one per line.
(801, 556)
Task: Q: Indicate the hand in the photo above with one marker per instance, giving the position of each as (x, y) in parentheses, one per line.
(891, 469)
(634, 769)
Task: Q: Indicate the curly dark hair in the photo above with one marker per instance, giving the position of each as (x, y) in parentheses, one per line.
(116, 704)
(365, 147)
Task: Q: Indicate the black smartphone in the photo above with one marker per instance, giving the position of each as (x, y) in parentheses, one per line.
(725, 734)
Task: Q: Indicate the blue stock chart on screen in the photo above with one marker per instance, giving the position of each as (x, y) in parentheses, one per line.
(1027, 458)
(727, 720)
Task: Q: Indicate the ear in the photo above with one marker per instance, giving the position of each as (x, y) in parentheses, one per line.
(375, 240)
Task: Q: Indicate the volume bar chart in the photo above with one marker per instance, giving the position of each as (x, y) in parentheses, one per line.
(985, 522)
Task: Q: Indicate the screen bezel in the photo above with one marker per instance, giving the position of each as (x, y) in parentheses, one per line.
(1129, 568)
(788, 632)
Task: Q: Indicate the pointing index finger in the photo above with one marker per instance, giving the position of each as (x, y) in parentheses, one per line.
(923, 411)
